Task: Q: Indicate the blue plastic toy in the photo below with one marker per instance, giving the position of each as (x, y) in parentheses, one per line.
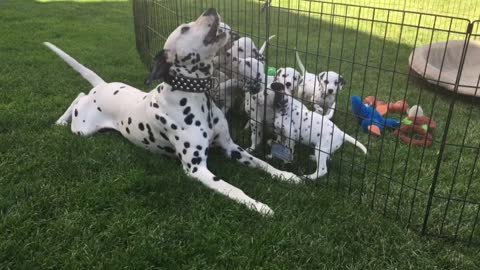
(370, 119)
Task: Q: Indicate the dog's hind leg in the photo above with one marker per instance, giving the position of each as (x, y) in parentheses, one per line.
(322, 152)
(67, 115)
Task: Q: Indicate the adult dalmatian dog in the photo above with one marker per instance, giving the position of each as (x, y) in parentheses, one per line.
(177, 118)
(296, 123)
(321, 90)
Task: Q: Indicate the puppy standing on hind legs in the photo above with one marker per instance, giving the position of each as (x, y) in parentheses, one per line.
(177, 118)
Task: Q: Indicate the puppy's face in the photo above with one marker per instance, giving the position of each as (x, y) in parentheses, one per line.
(289, 77)
(242, 48)
(251, 69)
(191, 44)
(332, 83)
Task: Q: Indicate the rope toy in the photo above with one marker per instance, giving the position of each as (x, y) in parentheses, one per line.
(416, 128)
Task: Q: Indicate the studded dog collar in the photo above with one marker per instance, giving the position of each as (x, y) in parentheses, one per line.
(195, 85)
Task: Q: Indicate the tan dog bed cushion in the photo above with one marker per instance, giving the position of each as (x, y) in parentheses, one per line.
(445, 76)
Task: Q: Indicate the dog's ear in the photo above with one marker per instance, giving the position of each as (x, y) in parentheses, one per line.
(160, 68)
(341, 81)
(279, 71)
(321, 75)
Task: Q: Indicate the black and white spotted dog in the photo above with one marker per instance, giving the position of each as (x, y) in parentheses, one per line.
(296, 123)
(321, 90)
(177, 118)
(258, 98)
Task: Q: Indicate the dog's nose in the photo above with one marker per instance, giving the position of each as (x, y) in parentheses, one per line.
(330, 91)
(288, 84)
(210, 11)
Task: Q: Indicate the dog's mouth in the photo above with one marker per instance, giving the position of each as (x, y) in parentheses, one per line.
(212, 36)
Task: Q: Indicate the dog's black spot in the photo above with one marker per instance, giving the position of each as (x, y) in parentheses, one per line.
(176, 137)
(216, 137)
(79, 133)
(216, 178)
(206, 151)
(235, 155)
(196, 160)
(173, 126)
(184, 151)
(205, 69)
(196, 153)
(205, 134)
(155, 105)
(189, 165)
(94, 101)
(203, 110)
(128, 130)
(246, 162)
(247, 63)
(99, 109)
(76, 113)
(163, 120)
(83, 121)
(186, 58)
(141, 126)
(179, 155)
(145, 141)
(159, 147)
(116, 92)
(187, 110)
(123, 86)
(194, 170)
(197, 123)
(240, 149)
(186, 144)
(194, 68)
(189, 119)
(157, 116)
(164, 136)
(234, 59)
(197, 59)
(94, 92)
(169, 150)
(183, 102)
(199, 147)
(121, 122)
(215, 120)
(251, 158)
(129, 120)
(151, 137)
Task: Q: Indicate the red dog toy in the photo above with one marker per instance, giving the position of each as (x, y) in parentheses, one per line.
(400, 106)
(416, 128)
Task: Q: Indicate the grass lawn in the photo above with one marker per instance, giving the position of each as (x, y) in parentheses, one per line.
(71, 202)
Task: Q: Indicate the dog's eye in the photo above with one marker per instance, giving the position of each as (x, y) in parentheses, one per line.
(294, 78)
(336, 82)
(284, 75)
(326, 81)
(184, 29)
(240, 49)
(228, 54)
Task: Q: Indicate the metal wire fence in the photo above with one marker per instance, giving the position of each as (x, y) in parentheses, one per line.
(433, 190)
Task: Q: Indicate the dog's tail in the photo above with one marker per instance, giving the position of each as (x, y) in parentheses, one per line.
(264, 45)
(300, 64)
(352, 140)
(86, 73)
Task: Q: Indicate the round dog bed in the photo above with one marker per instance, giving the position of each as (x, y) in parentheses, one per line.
(442, 65)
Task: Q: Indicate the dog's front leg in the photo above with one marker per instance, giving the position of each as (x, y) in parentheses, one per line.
(256, 129)
(237, 153)
(193, 155)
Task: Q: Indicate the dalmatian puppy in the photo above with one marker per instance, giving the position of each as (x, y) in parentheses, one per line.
(257, 96)
(296, 123)
(290, 77)
(177, 118)
(226, 88)
(321, 90)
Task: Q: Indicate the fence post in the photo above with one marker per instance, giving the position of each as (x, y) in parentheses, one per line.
(433, 187)
(267, 46)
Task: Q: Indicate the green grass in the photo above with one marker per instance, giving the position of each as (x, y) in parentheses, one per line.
(71, 202)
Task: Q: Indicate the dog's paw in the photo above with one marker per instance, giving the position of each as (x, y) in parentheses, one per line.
(290, 177)
(61, 122)
(263, 209)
